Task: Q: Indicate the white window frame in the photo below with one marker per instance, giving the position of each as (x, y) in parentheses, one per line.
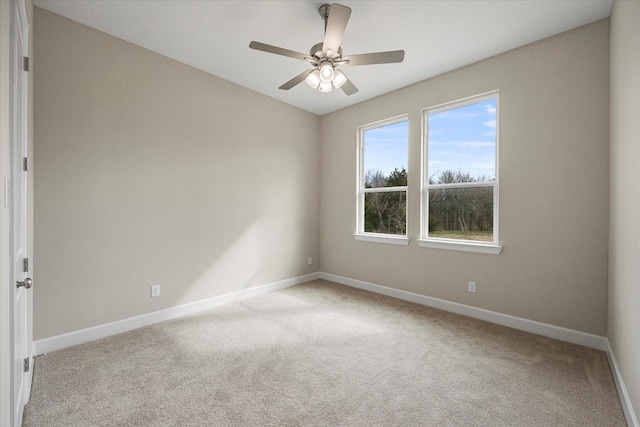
(493, 247)
(360, 234)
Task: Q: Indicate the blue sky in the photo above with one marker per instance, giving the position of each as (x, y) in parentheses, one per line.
(460, 139)
(386, 148)
(464, 139)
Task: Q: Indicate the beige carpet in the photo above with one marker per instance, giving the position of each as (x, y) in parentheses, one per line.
(322, 354)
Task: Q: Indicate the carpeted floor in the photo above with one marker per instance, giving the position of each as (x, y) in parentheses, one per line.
(322, 354)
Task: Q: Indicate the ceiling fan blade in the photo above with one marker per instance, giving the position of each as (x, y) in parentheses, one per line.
(277, 50)
(297, 79)
(348, 87)
(375, 58)
(336, 24)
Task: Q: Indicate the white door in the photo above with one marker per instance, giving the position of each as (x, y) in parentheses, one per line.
(21, 369)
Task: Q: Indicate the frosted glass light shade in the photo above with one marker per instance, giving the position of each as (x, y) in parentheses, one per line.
(313, 79)
(326, 72)
(326, 87)
(339, 79)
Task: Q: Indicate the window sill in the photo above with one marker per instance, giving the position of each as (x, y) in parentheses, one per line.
(466, 246)
(382, 238)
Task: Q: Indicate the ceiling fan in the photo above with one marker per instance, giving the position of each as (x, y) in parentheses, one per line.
(326, 56)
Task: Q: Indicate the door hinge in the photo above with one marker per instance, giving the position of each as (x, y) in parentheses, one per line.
(26, 364)
(25, 265)
(25, 164)
(25, 63)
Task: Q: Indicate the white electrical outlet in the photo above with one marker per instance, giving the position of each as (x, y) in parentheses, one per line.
(310, 261)
(472, 287)
(155, 291)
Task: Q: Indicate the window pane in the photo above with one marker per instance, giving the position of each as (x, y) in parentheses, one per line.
(385, 212)
(385, 156)
(462, 141)
(461, 213)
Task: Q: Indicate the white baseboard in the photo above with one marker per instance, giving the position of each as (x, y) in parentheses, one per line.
(625, 400)
(544, 329)
(70, 339)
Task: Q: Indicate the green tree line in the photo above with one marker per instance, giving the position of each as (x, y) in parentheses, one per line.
(463, 210)
(453, 212)
(385, 212)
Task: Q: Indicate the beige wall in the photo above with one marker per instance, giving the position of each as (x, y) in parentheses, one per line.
(624, 268)
(151, 172)
(148, 171)
(554, 185)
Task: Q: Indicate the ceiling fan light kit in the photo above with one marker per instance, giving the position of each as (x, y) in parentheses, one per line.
(327, 55)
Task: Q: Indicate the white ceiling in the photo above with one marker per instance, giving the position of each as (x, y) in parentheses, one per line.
(437, 36)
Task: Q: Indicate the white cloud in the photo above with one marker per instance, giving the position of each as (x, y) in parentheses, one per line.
(490, 109)
(490, 123)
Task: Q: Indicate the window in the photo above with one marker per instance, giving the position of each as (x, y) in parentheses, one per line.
(460, 175)
(382, 182)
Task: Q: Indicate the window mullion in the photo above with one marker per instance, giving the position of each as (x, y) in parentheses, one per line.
(384, 189)
(462, 185)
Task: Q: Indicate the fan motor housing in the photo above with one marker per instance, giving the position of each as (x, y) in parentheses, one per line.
(316, 51)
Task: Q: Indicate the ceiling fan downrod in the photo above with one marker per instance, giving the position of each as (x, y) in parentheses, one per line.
(324, 13)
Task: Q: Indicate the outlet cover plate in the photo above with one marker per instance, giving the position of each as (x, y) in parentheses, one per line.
(472, 287)
(155, 291)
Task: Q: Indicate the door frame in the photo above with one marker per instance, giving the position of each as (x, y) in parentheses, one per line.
(7, 16)
(21, 363)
